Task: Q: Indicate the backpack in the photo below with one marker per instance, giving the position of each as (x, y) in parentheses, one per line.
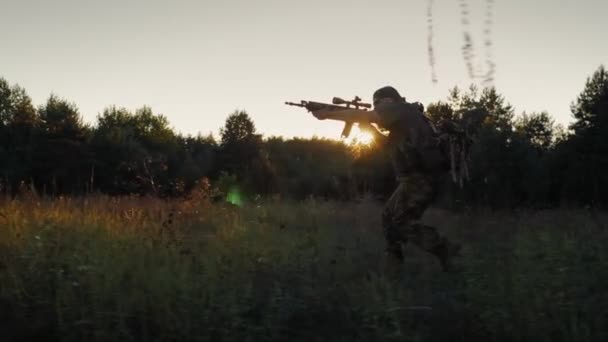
(442, 147)
(454, 139)
(433, 153)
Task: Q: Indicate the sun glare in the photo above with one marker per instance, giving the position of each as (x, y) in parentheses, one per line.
(360, 137)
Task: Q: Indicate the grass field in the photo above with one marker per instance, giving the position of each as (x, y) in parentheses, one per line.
(139, 269)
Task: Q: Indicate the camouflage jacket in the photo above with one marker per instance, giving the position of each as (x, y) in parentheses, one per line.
(412, 142)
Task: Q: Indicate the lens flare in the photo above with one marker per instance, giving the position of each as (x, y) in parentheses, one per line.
(234, 196)
(359, 137)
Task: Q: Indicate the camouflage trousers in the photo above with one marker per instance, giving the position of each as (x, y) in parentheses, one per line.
(402, 212)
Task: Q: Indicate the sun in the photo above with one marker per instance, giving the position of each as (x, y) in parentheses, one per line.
(359, 137)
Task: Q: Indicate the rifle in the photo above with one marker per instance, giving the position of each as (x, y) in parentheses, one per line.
(336, 105)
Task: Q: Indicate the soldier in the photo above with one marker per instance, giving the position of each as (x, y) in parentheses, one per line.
(417, 162)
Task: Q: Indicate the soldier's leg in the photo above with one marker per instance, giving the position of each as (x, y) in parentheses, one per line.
(427, 238)
(423, 236)
(393, 219)
(422, 194)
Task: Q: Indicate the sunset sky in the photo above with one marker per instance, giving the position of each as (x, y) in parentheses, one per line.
(197, 61)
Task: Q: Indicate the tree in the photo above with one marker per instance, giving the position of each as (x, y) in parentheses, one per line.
(62, 156)
(238, 128)
(439, 111)
(194, 160)
(585, 176)
(239, 143)
(135, 152)
(18, 121)
(241, 155)
(591, 107)
(317, 167)
(538, 128)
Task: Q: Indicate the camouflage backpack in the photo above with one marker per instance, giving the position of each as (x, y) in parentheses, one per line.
(455, 138)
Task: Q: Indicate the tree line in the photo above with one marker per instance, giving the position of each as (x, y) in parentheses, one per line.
(517, 160)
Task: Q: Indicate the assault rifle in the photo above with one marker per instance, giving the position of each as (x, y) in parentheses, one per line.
(336, 105)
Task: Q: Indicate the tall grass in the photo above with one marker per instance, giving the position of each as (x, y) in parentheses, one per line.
(101, 268)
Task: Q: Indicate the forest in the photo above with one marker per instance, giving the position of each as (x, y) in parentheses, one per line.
(518, 159)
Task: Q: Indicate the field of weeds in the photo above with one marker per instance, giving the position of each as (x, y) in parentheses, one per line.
(141, 269)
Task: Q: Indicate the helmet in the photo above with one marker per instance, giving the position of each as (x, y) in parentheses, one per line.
(389, 92)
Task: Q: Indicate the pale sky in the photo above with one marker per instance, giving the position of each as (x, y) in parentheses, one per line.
(197, 61)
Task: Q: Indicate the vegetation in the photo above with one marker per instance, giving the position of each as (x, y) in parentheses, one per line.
(101, 268)
(518, 161)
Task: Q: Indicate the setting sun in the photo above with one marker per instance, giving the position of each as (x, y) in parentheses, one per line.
(359, 137)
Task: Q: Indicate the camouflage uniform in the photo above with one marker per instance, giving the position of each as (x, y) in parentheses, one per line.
(402, 212)
(415, 158)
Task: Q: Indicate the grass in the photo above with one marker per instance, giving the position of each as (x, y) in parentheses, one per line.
(142, 269)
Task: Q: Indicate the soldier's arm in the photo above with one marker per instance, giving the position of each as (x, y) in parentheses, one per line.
(348, 114)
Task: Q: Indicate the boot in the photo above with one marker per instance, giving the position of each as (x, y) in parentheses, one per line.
(445, 252)
(393, 251)
(393, 261)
